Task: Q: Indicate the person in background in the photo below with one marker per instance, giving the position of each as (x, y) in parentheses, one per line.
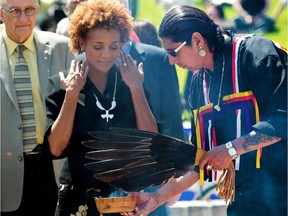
(54, 13)
(95, 95)
(252, 17)
(216, 13)
(63, 24)
(28, 185)
(147, 32)
(239, 111)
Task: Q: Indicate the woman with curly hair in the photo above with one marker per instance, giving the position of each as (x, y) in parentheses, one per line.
(102, 92)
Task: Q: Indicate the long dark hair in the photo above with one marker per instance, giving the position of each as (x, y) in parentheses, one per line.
(180, 22)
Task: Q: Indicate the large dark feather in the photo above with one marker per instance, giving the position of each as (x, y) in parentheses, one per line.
(106, 135)
(112, 175)
(102, 144)
(144, 180)
(110, 164)
(117, 154)
(133, 160)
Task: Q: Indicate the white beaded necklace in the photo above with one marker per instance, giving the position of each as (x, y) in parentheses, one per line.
(113, 104)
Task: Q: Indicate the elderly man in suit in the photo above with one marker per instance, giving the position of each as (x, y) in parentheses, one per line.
(28, 185)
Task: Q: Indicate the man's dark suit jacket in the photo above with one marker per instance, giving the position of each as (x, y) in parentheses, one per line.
(162, 82)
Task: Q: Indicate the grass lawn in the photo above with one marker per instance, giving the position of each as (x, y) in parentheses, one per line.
(149, 10)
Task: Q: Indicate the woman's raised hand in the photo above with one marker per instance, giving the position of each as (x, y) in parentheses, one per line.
(76, 79)
(132, 76)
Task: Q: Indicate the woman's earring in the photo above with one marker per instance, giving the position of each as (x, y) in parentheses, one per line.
(82, 50)
(202, 52)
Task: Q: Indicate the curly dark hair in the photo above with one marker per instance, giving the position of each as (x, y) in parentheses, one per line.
(108, 14)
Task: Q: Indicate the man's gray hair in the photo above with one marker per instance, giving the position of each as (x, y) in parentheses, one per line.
(4, 3)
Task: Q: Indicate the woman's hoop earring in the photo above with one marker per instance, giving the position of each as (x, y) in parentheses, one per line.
(202, 52)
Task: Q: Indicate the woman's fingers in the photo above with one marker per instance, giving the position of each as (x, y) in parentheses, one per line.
(140, 68)
(78, 74)
(124, 60)
(72, 66)
(62, 79)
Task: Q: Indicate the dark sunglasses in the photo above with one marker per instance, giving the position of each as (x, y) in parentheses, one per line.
(175, 51)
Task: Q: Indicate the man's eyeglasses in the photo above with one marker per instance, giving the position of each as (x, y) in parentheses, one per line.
(16, 12)
(175, 51)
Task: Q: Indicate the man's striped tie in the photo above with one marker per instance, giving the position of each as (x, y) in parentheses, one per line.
(25, 101)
